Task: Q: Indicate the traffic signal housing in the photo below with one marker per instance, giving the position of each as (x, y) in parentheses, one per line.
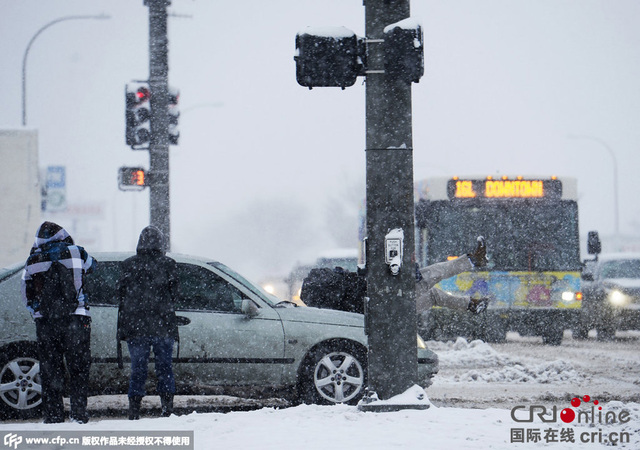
(404, 51)
(327, 57)
(174, 114)
(137, 115)
(132, 178)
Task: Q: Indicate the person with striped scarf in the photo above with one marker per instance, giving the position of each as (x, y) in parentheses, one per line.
(60, 339)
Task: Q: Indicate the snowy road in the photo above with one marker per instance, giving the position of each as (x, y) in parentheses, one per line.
(480, 375)
(473, 401)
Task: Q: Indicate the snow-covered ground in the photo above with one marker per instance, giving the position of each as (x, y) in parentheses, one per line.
(322, 427)
(520, 374)
(479, 375)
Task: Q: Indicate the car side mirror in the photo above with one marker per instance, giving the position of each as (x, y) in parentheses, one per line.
(594, 246)
(182, 320)
(587, 276)
(249, 308)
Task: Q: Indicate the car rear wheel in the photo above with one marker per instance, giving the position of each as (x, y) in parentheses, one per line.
(333, 374)
(20, 384)
(605, 324)
(553, 335)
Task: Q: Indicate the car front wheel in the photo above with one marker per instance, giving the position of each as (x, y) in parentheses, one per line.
(20, 385)
(333, 374)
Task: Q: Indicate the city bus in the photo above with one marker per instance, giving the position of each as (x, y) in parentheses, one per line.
(533, 275)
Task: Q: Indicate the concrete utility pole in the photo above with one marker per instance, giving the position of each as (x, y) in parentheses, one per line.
(391, 310)
(159, 201)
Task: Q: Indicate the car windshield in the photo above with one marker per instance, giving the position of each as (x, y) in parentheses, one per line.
(522, 236)
(622, 268)
(272, 300)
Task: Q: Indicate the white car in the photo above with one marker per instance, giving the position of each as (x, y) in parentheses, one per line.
(611, 290)
(236, 340)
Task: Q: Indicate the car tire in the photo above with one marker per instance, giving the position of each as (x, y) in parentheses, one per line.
(20, 384)
(605, 324)
(333, 374)
(493, 329)
(606, 331)
(580, 332)
(553, 336)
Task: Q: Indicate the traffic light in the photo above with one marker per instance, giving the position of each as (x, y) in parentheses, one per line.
(138, 114)
(132, 178)
(174, 114)
(404, 51)
(327, 57)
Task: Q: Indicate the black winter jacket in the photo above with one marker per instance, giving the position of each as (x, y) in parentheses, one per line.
(148, 290)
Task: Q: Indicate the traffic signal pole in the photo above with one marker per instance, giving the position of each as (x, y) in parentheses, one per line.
(391, 310)
(159, 200)
(393, 59)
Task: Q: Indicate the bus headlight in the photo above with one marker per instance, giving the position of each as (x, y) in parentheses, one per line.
(568, 296)
(617, 298)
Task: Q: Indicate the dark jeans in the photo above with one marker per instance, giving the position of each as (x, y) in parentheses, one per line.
(59, 340)
(140, 349)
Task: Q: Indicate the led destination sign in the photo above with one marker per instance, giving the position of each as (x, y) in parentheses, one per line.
(504, 189)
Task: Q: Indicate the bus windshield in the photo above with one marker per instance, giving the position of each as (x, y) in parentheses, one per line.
(521, 235)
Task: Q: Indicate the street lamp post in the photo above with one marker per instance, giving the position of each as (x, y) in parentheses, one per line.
(615, 177)
(26, 53)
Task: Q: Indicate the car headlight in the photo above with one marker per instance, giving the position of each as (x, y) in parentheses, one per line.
(421, 343)
(617, 298)
(270, 288)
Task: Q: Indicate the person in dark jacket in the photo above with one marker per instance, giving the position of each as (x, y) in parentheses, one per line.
(66, 338)
(148, 292)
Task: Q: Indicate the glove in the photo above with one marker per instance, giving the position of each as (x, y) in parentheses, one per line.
(477, 305)
(479, 256)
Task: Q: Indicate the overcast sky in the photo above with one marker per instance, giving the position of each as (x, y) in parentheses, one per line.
(506, 85)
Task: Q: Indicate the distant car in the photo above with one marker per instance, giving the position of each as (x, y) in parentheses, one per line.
(239, 340)
(611, 290)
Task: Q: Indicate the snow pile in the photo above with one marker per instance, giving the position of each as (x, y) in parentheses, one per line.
(552, 372)
(467, 354)
(493, 367)
(415, 397)
(317, 427)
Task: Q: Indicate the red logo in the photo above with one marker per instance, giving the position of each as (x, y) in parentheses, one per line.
(568, 415)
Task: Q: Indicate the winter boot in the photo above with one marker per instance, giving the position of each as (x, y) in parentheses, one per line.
(166, 400)
(78, 412)
(479, 256)
(134, 407)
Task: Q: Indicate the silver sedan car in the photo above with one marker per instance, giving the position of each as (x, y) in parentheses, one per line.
(235, 339)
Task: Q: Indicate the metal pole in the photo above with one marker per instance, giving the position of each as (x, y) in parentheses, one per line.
(159, 213)
(26, 53)
(616, 212)
(391, 310)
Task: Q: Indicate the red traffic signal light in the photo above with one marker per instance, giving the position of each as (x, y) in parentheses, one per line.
(137, 115)
(132, 178)
(142, 94)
